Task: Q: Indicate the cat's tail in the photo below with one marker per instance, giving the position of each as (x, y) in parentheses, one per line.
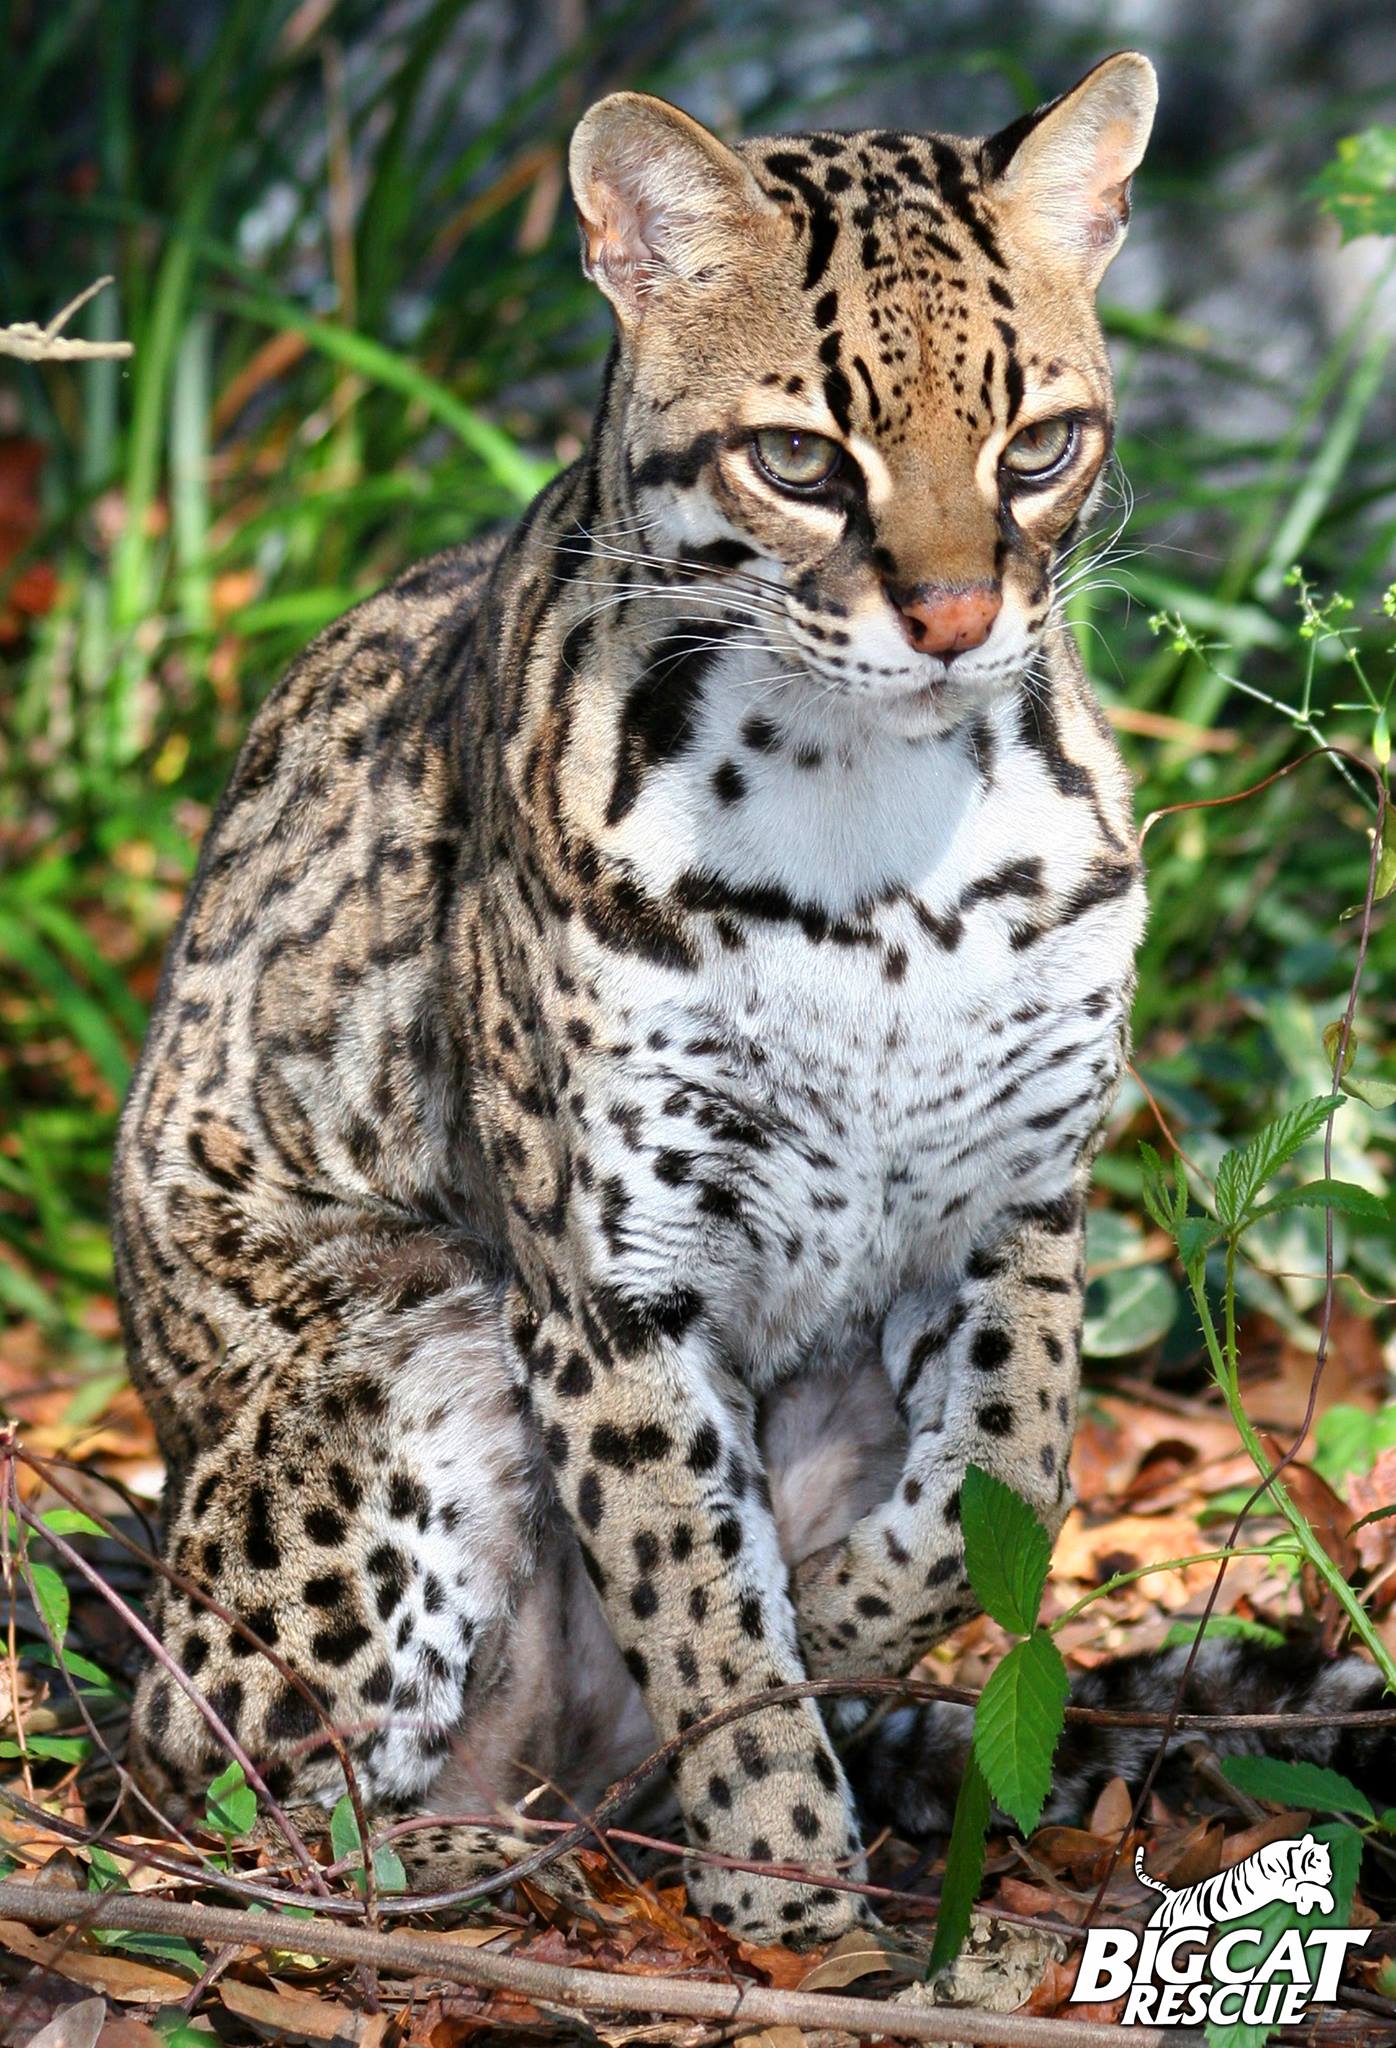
(907, 1768)
(1144, 1878)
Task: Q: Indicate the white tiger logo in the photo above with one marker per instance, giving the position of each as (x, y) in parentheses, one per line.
(1299, 1872)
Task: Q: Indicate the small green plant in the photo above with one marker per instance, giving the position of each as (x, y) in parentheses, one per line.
(1309, 1789)
(1022, 1710)
(1020, 1715)
(230, 1807)
(349, 1846)
(1238, 1202)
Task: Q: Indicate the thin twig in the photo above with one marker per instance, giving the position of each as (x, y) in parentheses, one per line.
(29, 343)
(427, 1956)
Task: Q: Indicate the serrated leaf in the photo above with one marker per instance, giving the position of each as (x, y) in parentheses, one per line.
(51, 1598)
(1154, 1191)
(964, 1866)
(1376, 1515)
(1128, 1310)
(1247, 1958)
(1368, 1088)
(1312, 1786)
(231, 1805)
(1196, 1236)
(344, 1831)
(1018, 1723)
(1343, 1195)
(1007, 1550)
(1243, 1173)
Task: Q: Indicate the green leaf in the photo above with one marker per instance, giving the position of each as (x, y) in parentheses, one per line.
(1243, 1173)
(231, 1805)
(1348, 1438)
(71, 1522)
(1312, 1786)
(964, 1866)
(1007, 1550)
(1196, 1236)
(51, 1598)
(65, 1749)
(1343, 1195)
(1233, 1625)
(106, 1871)
(165, 1948)
(1368, 1088)
(520, 474)
(344, 1832)
(388, 1873)
(1155, 1191)
(75, 1666)
(1128, 1310)
(1017, 1725)
(1358, 184)
(1345, 1847)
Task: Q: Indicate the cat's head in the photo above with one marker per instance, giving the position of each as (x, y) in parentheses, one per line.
(862, 375)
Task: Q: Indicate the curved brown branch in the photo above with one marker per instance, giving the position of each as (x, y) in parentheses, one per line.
(428, 1956)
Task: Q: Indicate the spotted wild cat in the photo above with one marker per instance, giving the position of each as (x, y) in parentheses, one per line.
(611, 1143)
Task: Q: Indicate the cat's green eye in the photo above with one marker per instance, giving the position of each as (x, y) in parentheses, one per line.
(799, 460)
(1041, 450)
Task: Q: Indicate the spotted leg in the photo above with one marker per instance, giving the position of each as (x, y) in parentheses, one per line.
(654, 1454)
(986, 1376)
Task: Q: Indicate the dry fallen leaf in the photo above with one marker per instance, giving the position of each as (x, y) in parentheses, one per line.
(77, 2026)
(1114, 1809)
(1368, 1493)
(856, 1954)
(291, 2015)
(118, 1976)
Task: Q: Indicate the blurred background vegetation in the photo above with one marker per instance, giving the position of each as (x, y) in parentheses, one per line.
(343, 251)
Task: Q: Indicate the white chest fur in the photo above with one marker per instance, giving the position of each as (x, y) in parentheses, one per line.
(896, 1036)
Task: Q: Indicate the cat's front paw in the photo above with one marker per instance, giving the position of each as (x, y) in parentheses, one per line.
(765, 1910)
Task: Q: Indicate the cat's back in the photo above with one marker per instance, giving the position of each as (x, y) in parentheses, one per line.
(298, 1031)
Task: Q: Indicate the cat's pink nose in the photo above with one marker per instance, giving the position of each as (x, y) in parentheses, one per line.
(947, 622)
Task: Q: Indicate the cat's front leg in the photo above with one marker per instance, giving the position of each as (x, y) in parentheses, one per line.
(653, 1451)
(988, 1377)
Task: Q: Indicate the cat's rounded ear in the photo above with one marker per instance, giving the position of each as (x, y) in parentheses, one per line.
(1064, 171)
(659, 198)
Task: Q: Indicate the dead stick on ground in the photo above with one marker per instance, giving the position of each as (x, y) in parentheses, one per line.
(34, 344)
(420, 1955)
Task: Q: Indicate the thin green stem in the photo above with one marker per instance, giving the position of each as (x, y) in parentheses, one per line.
(1170, 1564)
(1313, 1551)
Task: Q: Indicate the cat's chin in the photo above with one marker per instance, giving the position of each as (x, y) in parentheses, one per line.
(942, 705)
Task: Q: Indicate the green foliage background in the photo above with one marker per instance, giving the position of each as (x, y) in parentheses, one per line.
(360, 334)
